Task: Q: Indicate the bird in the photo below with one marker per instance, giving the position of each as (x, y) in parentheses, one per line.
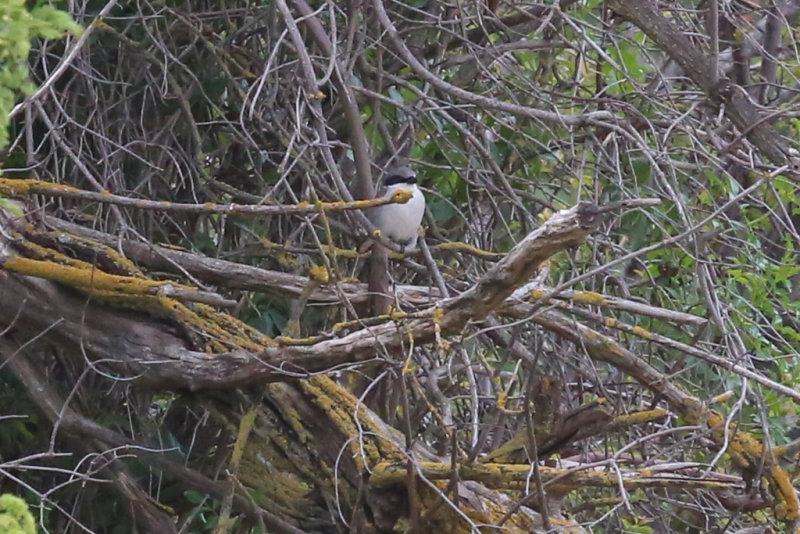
(398, 222)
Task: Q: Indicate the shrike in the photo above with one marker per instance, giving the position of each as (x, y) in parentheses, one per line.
(398, 222)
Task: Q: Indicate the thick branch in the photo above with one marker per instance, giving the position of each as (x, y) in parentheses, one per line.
(145, 349)
(233, 275)
(389, 473)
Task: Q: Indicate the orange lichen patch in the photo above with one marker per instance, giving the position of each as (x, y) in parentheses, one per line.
(635, 330)
(388, 473)
(187, 317)
(459, 246)
(694, 404)
(779, 450)
(322, 207)
(638, 418)
(409, 367)
(438, 316)
(303, 204)
(589, 297)
(345, 325)
(409, 333)
(319, 273)
(394, 315)
(748, 452)
(502, 404)
(537, 294)
(581, 297)
(170, 246)
(284, 341)
(789, 509)
(642, 333)
(286, 259)
(721, 398)
(742, 447)
(18, 188)
(331, 250)
(565, 526)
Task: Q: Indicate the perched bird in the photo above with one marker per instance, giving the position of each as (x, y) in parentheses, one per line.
(398, 222)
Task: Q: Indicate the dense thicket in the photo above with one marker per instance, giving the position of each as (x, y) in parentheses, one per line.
(608, 280)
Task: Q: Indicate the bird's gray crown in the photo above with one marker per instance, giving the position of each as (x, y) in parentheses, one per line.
(400, 175)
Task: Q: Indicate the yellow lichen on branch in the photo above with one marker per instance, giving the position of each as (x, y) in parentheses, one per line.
(748, 452)
(217, 332)
(589, 297)
(637, 418)
(39, 252)
(319, 274)
(788, 508)
(86, 276)
(458, 246)
(745, 451)
(341, 407)
(582, 297)
(22, 188)
(561, 480)
(225, 328)
(401, 196)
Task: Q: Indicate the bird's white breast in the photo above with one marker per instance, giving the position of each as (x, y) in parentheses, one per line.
(400, 222)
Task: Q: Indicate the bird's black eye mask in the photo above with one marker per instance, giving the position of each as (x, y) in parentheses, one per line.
(399, 179)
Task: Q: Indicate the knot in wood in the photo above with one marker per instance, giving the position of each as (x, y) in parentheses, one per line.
(588, 215)
(722, 91)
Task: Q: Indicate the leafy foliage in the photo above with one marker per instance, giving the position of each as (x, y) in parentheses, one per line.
(18, 26)
(15, 518)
